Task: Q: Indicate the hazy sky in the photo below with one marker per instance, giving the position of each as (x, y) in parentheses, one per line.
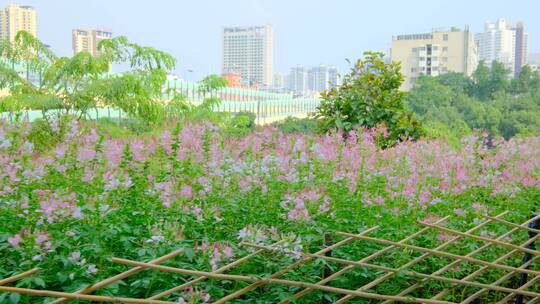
(307, 32)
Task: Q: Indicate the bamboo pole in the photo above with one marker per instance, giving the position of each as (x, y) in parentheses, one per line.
(526, 285)
(351, 267)
(411, 273)
(483, 268)
(513, 224)
(18, 276)
(418, 259)
(200, 279)
(442, 253)
(278, 274)
(327, 270)
(121, 276)
(532, 301)
(501, 280)
(277, 281)
(50, 293)
(457, 262)
(485, 239)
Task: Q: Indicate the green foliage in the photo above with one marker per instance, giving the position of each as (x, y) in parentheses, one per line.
(488, 82)
(212, 82)
(297, 125)
(241, 124)
(75, 85)
(488, 101)
(370, 97)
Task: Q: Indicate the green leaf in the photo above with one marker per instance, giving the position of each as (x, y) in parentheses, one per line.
(14, 298)
(189, 253)
(39, 282)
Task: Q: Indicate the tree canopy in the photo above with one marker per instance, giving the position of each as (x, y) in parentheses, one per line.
(369, 97)
(74, 85)
(455, 104)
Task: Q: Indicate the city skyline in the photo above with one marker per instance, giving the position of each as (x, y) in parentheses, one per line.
(347, 33)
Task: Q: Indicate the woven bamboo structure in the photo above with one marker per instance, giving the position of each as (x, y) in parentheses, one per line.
(527, 291)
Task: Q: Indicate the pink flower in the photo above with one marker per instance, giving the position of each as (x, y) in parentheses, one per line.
(477, 206)
(43, 237)
(228, 252)
(60, 151)
(443, 237)
(166, 142)
(385, 132)
(138, 150)
(92, 269)
(197, 211)
(75, 256)
(186, 192)
(86, 154)
(15, 240)
(113, 153)
(244, 233)
(460, 212)
(325, 206)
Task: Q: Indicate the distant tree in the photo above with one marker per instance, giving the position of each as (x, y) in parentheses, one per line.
(297, 125)
(499, 82)
(458, 82)
(213, 82)
(369, 96)
(75, 85)
(429, 93)
(481, 87)
(527, 81)
(241, 124)
(490, 102)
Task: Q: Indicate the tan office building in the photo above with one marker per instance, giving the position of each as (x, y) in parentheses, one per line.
(15, 18)
(88, 40)
(435, 53)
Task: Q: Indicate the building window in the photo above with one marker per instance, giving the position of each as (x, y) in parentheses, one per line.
(413, 70)
(422, 58)
(445, 37)
(423, 48)
(445, 49)
(414, 50)
(435, 48)
(444, 59)
(434, 58)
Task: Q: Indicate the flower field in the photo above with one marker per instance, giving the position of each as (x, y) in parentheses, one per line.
(70, 209)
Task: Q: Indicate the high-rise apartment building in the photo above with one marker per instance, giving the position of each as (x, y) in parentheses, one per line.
(248, 51)
(504, 43)
(281, 81)
(15, 18)
(88, 40)
(322, 78)
(438, 52)
(520, 48)
(334, 77)
(299, 79)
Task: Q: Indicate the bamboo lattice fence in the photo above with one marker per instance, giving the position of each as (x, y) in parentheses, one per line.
(526, 274)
